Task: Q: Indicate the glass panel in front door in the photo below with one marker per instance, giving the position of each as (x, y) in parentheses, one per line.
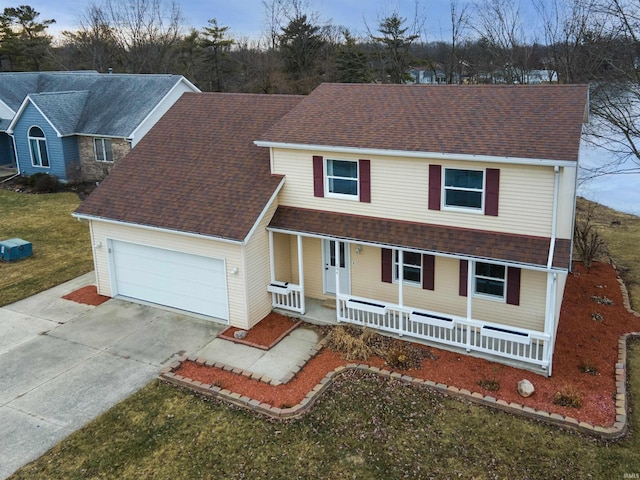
(332, 253)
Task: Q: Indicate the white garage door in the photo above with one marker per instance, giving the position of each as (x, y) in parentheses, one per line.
(166, 277)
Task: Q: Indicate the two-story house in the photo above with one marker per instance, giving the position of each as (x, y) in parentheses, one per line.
(76, 125)
(443, 214)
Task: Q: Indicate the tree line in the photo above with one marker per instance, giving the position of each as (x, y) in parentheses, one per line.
(492, 41)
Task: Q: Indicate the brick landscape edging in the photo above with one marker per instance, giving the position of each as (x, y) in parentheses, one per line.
(613, 432)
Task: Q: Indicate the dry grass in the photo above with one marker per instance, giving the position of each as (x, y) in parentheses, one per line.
(621, 234)
(61, 244)
(350, 343)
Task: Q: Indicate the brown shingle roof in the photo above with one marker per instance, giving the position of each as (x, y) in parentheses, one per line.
(526, 121)
(435, 238)
(197, 170)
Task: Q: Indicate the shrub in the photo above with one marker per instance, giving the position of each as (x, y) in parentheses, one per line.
(489, 384)
(588, 367)
(350, 344)
(587, 242)
(44, 183)
(569, 397)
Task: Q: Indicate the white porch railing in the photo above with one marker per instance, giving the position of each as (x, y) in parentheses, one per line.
(473, 335)
(287, 295)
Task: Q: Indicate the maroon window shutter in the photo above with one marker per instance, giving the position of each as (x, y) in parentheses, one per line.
(513, 286)
(428, 272)
(493, 190)
(464, 270)
(364, 167)
(435, 186)
(318, 176)
(387, 265)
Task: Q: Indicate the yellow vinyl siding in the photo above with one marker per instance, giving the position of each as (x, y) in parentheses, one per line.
(231, 253)
(313, 268)
(257, 267)
(529, 314)
(399, 190)
(366, 282)
(282, 257)
(566, 200)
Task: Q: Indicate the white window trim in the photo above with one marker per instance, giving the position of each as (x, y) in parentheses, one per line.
(343, 196)
(104, 152)
(454, 208)
(396, 265)
(495, 298)
(46, 147)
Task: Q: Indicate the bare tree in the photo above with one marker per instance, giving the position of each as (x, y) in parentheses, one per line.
(145, 31)
(615, 92)
(501, 30)
(459, 24)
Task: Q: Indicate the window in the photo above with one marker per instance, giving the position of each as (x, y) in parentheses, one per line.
(463, 188)
(490, 280)
(38, 147)
(411, 267)
(342, 177)
(103, 150)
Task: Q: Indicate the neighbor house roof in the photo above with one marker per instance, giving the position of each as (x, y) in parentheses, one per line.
(515, 121)
(522, 249)
(197, 170)
(114, 104)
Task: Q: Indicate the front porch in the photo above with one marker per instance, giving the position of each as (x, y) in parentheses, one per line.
(307, 271)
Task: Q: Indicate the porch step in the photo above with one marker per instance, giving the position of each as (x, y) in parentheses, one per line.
(330, 303)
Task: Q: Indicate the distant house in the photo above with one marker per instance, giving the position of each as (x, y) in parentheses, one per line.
(75, 125)
(425, 76)
(437, 213)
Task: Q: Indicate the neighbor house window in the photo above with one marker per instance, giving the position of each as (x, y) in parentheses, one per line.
(411, 267)
(103, 150)
(463, 188)
(490, 280)
(38, 147)
(342, 177)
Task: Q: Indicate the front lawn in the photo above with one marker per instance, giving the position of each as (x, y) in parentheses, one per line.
(363, 427)
(61, 244)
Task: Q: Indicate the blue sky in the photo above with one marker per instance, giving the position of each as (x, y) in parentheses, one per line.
(246, 17)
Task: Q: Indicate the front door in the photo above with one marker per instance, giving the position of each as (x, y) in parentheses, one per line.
(329, 255)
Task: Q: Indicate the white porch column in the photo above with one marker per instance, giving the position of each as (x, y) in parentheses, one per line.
(550, 318)
(336, 249)
(272, 261)
(301, 274)
(400, 276)
(470, 265)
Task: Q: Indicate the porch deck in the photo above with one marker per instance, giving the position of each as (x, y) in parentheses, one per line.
(324, 312)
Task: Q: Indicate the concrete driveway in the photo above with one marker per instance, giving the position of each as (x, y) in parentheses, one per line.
(63, 363)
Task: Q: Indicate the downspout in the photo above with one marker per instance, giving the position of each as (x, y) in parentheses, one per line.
(554, 215)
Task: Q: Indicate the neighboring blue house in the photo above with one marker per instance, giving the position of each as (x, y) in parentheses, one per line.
(75, 125)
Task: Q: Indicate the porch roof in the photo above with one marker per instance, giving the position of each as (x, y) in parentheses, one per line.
(506, 247)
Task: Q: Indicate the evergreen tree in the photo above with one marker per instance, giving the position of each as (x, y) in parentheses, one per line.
(216, 48)
(24, 42)
(351, 62)
(395, 44)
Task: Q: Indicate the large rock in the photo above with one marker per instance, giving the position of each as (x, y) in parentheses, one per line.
(525, 388)
(240, 334)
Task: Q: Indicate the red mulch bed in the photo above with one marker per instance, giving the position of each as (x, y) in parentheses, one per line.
(87, 295)
(266, 333)
(580, 339)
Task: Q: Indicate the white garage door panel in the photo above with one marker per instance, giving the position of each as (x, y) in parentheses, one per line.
(176, 279)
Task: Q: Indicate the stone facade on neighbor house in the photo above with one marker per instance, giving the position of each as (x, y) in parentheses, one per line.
(93, 167)
(45, 117)
(452, 228)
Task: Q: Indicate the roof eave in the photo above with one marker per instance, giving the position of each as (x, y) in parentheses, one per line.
(545, 162)
(21, 110)
(83, 216)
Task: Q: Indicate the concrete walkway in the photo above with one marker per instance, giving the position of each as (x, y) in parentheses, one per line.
(62, 363)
